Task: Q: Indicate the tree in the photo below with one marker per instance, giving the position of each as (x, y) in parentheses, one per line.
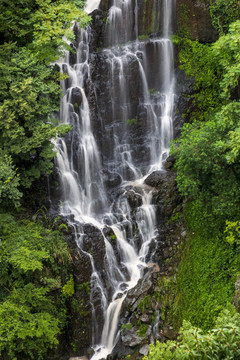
(208, 151)
(33, 34)
(34, 267)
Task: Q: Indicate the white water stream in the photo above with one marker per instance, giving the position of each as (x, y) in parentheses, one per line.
(79, 161)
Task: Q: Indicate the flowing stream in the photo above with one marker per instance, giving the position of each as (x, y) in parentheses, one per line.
(81, 159)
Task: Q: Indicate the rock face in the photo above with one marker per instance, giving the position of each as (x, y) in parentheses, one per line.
(193, 17)
(80, 308)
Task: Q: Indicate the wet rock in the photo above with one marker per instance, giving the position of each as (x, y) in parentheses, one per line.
(131, 337)
(169, 163)
(65, 71)
(156, 179)
(136, 294)
(169, 334)
(93, 243)
(76, 98)
(184, 104)
(80, 312)
(97, 39)
(134, 199)
(166, 253)
(111, 179)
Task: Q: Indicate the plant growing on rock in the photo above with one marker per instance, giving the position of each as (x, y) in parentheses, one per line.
(222, 342)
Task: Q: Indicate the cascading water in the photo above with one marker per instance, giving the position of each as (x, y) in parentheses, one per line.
(81, 161)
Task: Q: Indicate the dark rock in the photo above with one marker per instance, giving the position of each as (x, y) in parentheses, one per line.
(134, 199)
(194, 17)
(136, 294)
(156, 179)
(169, 163)
(111, 179)
(76, 98)
(79, 321)
(131, 338)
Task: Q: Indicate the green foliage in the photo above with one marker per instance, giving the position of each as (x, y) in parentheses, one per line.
(223, 13)
(32, 38)
(208, 151)
(233, 232)
(142, 330)
(68, 288)
(206, 273)
(51, 22)
(222, 342)
(34, 266)
(131, 121)
(40, 24)
(145, 303)
(127, 326)
(208, 171)
(143, 37)
(9, 181)
(215, 69)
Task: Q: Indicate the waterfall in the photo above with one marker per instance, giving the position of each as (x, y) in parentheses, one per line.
(83, 162)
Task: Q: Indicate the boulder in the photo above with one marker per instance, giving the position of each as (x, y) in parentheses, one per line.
(76, 98)
(131, 337)
(156, 178)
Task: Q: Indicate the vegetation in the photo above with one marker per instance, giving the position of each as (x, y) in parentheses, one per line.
(208, 151)
(222, 342)
(223, 13)
(35, 280)
(31, 40)
(34, 266)
(208, 172)
(206, 274)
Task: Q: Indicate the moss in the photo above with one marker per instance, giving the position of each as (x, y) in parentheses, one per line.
(142, 330)
(145, 303)
(143, 37)
(132, 121)
(127, 326)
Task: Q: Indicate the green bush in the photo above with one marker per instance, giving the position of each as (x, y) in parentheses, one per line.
(206, 274)
(34, 267)
(222, 342)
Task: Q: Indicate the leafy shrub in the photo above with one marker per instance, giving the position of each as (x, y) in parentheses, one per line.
(222, 342)
(34, 266)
